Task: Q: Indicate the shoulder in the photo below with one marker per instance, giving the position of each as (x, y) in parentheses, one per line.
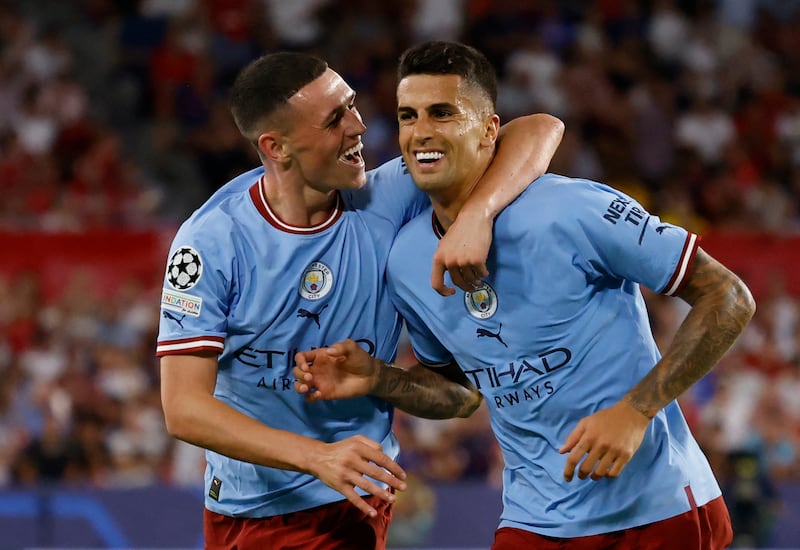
(389, 193)
(553, 198)
(216, 219)
(555, 189)
(391, 177)
(392, 169)
(417, 236)
(239, 185)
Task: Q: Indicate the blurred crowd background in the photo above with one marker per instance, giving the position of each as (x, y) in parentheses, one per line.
(113, 117)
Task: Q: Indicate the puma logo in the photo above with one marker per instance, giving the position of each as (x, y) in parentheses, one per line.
(660, 229)
(171, 317)
(481, 332)
(304, 313)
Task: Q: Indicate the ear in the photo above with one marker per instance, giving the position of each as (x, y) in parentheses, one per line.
(491, 130)
(273, 146)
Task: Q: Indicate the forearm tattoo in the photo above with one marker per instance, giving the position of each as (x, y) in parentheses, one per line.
(425, 393)
(721, 308)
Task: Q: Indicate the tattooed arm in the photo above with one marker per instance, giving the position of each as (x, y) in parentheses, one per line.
(721, 307)
(418, 390)
(344, 370)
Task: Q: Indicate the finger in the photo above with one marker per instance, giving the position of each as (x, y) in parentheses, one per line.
(572, 439)
(470, 279)
(374, 489)
(301, 387)
(480, 271)
(604, 467)
(358, 502)
(589, 463)
(301, 374)
(437, 280)
(387, 470)
(457, 276)
(574, 457)
(383, 463)
(303, 358)
(314, 395)
(617, 467)
(305, 378)
(371, 443)
(340, 350)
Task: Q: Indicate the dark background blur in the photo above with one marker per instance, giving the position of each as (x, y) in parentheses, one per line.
(114, 127)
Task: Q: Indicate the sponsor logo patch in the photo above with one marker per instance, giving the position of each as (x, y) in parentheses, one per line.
(180, 302)
(213, 491)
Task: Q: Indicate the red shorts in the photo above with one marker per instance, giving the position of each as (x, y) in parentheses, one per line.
(705, 528)
(336, 526)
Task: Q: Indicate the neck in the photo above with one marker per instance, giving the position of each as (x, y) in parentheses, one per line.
(296, 203)
(447, 203)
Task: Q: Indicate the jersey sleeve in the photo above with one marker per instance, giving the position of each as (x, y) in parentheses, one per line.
(391, 193)
(195, 294)
(617, 237)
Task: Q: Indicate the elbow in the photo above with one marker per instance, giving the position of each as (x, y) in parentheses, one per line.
(471, 405)
(744, 304)
(174, 425)
(557, 126)
(178, 424)
(552, 125)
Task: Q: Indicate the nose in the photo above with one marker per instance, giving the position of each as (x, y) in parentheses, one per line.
(422, 128)
(355, 124)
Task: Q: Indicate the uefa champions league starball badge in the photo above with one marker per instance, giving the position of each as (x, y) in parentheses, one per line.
(185, 268)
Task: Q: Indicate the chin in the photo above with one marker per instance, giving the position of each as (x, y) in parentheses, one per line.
(354, 183)
(426, 183)
(360, 180)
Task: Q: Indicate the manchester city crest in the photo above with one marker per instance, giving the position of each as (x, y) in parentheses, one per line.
(316, 282)
(482, 302)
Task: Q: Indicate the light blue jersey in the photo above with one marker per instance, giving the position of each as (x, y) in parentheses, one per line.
(558, 332)
(256, 290)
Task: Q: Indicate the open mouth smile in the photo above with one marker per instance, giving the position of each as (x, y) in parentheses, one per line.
(353, 155)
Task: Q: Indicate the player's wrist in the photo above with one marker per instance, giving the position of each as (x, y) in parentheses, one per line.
(640, 408)
(384, 379)
(379, 374)
(477, 212)
(306, 455)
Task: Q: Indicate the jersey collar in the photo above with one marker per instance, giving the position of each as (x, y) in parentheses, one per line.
(259, 198)
(438, 230)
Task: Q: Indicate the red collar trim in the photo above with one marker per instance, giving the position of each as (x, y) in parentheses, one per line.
(438, 230)
(259, 199)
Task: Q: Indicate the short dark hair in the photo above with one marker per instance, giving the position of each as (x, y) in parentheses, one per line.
(442, 57)
(267, 83)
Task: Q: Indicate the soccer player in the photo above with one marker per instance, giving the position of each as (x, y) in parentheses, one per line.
(557, 338)
(290, 256)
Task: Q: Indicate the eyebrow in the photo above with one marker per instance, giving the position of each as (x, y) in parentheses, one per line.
(429, 108)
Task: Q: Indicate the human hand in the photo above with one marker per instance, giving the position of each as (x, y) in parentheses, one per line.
(608, 439)
(345, 465)
(341, 371)
(462, 252)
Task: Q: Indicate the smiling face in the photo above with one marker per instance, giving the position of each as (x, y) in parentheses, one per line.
(447, 131)
(323, 136)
